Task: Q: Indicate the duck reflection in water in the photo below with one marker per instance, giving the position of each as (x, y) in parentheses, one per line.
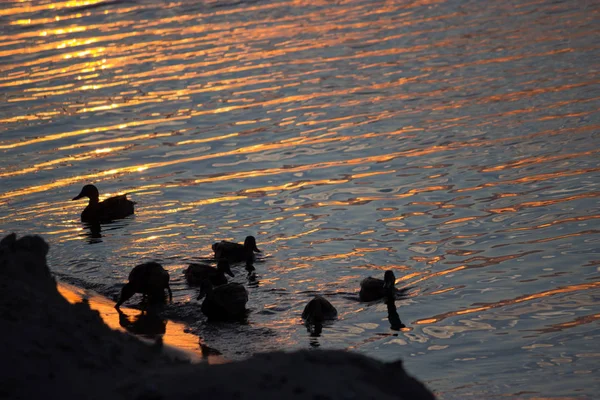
(148, 323)
(393, 317)
(93, 232)
(252, 278)
(317, 311)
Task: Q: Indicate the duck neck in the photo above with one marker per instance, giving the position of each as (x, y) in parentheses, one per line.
(93, 200)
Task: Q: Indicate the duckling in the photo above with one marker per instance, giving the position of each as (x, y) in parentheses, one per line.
(225, 302)
(235, 252)
(150, 279)
(104, 211)
(374, 289)
(318, 309)
(195, 273)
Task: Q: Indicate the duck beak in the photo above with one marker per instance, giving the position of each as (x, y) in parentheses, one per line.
(228, 272)
(77, 197)
(256, 250)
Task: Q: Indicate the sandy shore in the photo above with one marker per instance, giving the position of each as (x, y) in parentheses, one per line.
(61, 341)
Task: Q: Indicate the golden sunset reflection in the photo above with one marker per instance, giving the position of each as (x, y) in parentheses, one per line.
(175, 334)
(455, 144)
(510, 302)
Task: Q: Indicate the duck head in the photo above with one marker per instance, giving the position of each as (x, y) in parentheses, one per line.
(250, 244)
(223, 266)
(89, 191)
(126, 293)
(389, 280)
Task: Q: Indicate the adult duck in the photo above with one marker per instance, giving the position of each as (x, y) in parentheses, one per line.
(196, 273)
(150, 279)
(316, 312)
(235, 252)
(104, 211)
(225, 302)
(372, 289)
(319, 309)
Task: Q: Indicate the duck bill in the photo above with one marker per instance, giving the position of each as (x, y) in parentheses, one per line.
(230, 273)
(256, 250)
(79, 196)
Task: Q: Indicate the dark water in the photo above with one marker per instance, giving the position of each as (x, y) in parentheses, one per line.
(455, 142)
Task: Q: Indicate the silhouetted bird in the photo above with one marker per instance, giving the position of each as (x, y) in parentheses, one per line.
(319, 309)
(235, 252)
(196, 273)
(104, 211)
(316, 311)
(225, 302)
(374, 289)
(149, 279)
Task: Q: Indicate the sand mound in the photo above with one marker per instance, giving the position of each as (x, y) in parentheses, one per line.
(51, 348)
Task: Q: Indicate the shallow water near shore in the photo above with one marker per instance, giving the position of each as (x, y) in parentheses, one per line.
(455, 142)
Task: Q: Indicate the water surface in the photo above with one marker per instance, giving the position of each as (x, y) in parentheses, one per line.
(455, 142)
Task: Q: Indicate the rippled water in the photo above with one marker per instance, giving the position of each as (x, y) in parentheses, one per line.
(455, 142)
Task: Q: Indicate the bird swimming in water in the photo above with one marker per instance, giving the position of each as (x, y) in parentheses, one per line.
(319, 309)
(225, 302)
(374, 289)
(235, 252)
(315, 312)
(104, 211)
(150, 279)
(196, 273)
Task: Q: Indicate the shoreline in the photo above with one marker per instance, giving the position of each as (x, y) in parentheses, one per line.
(62, 341)
(176, 341)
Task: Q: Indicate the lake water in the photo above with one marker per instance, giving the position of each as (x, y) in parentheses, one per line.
(454, 142)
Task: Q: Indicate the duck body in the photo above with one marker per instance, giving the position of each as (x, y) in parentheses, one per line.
(196, 273)
(225, 302)
(236, 252)
(318, 310)
(372, 289)
(149, 279)
(116, 207)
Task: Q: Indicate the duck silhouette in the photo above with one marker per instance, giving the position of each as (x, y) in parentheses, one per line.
(196, 273)
(225, 302)
(150, 279)
(116, 207)
(372, 289)
(235, 252)
(318, 310)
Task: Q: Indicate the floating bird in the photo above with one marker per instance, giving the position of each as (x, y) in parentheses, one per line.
(374, 289)
(319, 309)
(225, 302)
(104, 211)
(149, 279)
(196, 273)
(316, 311)
(235, 252)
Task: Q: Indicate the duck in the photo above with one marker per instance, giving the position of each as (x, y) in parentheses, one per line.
(149, 279)
(195, 273)
(318, 310)
(235, 252)
(116, 207)
(372, 289)
(225, 303)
